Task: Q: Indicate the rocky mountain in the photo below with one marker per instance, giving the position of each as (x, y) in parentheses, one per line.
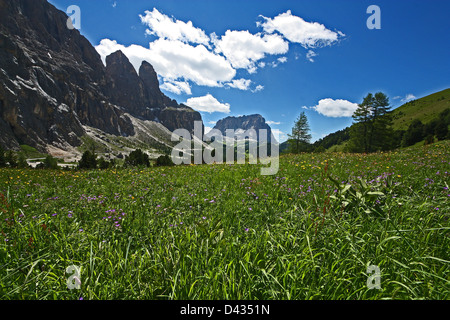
(244, 123)
(55, 90)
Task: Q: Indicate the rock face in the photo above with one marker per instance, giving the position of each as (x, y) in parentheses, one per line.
(244, 123)
(53, 83)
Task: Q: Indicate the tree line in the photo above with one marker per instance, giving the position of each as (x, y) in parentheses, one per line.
(371, 130)
(89, 160)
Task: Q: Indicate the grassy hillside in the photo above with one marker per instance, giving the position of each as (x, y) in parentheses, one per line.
(425, 109)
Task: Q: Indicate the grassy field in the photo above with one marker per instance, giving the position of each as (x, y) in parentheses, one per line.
(226, 232)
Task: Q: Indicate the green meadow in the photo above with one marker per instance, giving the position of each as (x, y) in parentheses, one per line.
(226, 232)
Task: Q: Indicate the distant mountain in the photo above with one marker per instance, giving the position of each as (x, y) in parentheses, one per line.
(244, 123)
(55, 91)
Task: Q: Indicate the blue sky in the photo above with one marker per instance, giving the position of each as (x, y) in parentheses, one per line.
(278, 58)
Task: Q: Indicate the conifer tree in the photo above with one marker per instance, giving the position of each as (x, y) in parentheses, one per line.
(300, 134)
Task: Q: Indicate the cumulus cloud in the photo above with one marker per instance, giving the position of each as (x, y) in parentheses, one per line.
(335, 108)
(273, 123)
(297, 30)
(177, 87)
(183, 54)
(244, 49)
(208, 104)
(310, 55)
(165, 27)
(173, 59)
(409, 97)
(258, 88)
(279, 61)
(241, 84)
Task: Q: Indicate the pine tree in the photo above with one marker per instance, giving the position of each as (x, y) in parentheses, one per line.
(300, 134)
(137, 158)
(359, 133)
(88, 161)
(380, 132)
(371, 130)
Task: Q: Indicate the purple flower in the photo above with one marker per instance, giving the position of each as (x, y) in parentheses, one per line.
(247, 229)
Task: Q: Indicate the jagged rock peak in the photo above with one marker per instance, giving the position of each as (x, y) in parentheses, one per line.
(148, 74)
(53, 83)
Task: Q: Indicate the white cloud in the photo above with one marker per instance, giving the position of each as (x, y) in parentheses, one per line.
(114, 4)
(258, 88)
(273, 123)
(177, 87)
(174, 60)
(165, 27)
(409, 97)
(243, 49)
(208, 104)
(279, 60)
(182, 54)
(297, 30)
(336, 108)
(310, 55)
(241, 84)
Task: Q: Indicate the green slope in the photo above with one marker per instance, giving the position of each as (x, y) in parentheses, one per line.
(425, 109)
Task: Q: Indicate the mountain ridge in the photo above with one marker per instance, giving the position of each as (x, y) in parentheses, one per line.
(54, 85)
